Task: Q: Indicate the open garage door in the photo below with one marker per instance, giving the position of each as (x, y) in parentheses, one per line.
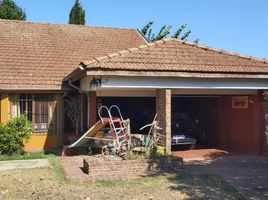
(196, 118)
(230, 122)
(140, 110)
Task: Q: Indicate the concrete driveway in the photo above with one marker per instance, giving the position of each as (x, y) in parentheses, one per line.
(249, 174)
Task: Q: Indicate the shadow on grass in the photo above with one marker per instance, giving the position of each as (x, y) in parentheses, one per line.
(199, 186)
(204, 187)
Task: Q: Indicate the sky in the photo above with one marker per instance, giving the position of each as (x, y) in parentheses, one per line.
(234, 25)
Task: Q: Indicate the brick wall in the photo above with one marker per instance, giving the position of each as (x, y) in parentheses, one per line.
(163, 109)
(102, 169)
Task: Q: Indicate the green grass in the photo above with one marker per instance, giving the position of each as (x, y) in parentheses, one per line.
(27, 156)
(57, 168)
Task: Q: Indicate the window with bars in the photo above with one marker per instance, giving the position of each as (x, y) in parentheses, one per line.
(40, 109)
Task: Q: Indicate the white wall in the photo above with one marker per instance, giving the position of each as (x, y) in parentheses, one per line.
(146, 86)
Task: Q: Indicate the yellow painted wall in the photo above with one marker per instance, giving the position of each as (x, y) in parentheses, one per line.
(38, 141)
(42, 141)
(4, 108)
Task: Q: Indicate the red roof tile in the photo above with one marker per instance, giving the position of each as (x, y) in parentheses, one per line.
(40, 55)
(179, 56)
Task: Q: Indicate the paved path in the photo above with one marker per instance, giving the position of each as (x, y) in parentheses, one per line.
(23, 164)
(249, 174)
(200, 153)
(72, 166)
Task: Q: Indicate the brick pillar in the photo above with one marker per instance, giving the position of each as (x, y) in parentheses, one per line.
(163, 109)
(92, 108)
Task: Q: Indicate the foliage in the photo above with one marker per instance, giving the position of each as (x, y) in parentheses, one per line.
(14, 134)
(77, 14)
(164, 32)
(9, 10)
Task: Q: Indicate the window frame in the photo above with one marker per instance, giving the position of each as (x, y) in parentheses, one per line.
(14, 100)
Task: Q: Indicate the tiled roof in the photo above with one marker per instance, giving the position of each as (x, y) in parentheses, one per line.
(179, 56)
(40, 55)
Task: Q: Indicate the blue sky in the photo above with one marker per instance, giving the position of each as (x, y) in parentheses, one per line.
(234, 25)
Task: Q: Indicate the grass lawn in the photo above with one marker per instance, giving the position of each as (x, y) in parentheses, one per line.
(27, 156)
(50, 183)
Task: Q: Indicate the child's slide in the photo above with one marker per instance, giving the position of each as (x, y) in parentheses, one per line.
(83, 140)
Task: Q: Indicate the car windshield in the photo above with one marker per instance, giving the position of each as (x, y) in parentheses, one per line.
(181, 123)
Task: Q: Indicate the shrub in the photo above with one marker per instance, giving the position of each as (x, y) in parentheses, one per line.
(14, 135)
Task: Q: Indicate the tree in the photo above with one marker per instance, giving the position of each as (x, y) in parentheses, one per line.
(77, 14)
(164, 32)
(9, 10)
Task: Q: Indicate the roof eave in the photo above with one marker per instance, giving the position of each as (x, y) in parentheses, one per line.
(77, 74)
(32, 90)
(108, 72)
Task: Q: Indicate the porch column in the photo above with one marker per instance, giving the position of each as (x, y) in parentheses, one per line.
(163, 109)
(92, 108)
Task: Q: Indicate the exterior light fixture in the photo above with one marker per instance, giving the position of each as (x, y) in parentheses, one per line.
(95, 83)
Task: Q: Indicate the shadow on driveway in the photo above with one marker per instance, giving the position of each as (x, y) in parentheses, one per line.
(249, 174)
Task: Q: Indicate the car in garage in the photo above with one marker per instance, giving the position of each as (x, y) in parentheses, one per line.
(184, 130)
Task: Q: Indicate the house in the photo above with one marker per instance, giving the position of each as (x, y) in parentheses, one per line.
(40, 63)
(35, 58)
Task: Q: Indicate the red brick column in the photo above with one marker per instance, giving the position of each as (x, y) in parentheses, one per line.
(163, 109)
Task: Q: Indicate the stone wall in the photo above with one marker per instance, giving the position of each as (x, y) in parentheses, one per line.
(102, 169)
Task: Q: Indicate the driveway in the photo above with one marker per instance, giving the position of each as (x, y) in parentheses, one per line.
(249, 174)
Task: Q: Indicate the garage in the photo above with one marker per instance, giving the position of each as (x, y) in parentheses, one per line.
(140, 110)
(229, 122)
(217, 92)
(194, 117)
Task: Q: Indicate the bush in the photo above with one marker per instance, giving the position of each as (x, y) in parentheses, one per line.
(14, 135)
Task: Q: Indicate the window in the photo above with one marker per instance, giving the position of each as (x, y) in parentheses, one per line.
(26, 105)
(44, 111)
(39, 109)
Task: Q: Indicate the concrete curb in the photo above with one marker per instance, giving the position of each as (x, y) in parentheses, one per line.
(23, 164)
